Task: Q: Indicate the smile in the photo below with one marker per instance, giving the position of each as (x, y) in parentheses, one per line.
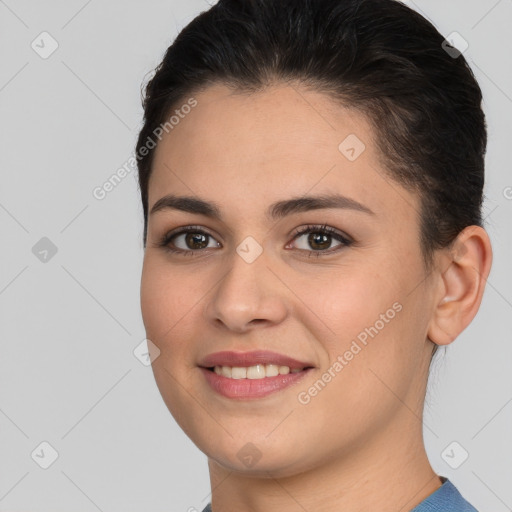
(242, 386)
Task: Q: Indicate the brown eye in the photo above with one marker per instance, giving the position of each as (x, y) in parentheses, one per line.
(320, 240)
(188, 241)
(196, 240)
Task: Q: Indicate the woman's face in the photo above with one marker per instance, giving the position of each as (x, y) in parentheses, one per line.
(357, 313)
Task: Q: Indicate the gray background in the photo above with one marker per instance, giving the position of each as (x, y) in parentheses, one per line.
(69, 324)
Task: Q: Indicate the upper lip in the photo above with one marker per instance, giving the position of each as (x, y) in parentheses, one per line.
(230, 358)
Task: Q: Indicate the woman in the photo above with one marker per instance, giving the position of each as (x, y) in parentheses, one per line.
(311, 173)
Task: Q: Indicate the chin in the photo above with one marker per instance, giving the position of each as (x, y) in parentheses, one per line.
(260, 462)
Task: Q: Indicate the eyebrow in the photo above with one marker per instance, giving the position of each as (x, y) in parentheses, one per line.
(275, 211)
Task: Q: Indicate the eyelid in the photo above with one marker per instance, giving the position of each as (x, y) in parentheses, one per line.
(321, 228)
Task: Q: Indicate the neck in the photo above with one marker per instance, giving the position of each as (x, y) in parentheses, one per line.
(390, 472)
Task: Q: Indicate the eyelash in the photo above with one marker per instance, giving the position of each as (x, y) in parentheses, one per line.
(314, 228)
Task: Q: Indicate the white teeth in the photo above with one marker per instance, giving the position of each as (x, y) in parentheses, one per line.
(271, 370)
(258, 371)
(254, 372)
(238, 372)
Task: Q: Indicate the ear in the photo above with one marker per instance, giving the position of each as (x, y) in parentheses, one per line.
(463, 274)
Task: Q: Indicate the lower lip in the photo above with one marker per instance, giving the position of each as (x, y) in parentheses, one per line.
(251, 388)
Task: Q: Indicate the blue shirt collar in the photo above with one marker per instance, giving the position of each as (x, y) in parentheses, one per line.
(445, 499)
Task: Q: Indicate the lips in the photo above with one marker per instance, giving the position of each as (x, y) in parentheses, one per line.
(252, 358)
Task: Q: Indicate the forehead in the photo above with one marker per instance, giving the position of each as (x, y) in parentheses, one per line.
(259, 127)
(253, 149)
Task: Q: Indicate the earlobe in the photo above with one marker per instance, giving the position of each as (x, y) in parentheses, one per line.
(463, 273)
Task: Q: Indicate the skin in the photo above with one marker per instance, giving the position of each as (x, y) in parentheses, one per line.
(357, 445)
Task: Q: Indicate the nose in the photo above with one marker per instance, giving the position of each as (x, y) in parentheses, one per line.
(248, 295)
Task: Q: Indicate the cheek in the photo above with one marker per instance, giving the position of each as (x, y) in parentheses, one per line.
(167, 297)
(367, 325)
(346, 301)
